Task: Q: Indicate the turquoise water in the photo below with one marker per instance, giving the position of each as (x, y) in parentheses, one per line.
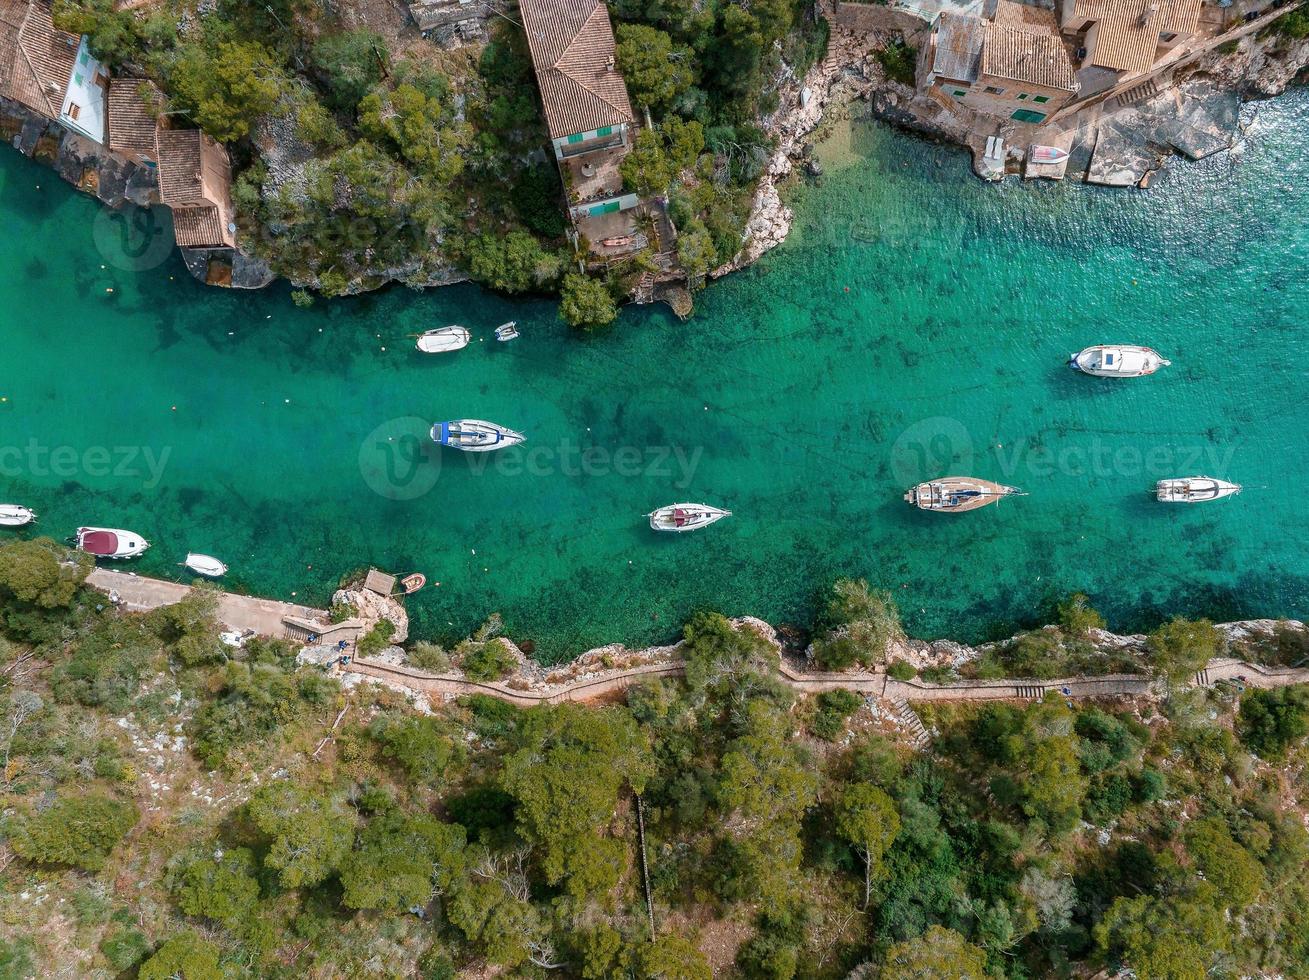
(916, 323)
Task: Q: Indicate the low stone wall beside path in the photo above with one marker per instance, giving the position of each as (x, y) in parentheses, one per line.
(865, 17)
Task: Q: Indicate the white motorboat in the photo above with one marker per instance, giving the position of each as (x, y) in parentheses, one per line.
(956, 494)
(1194, 490)
(474, 435)
(206, 565)
(506, 331)
(443, 339)
(1118, 361)
(16, 515)
(685, 517)
(108, 542)
(1047, 154)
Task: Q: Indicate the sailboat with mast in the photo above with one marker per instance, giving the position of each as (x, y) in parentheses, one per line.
(956, 494)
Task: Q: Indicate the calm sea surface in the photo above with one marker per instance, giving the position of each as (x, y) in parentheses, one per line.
(915, 324)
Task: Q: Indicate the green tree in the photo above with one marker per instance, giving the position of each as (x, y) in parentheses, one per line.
(351, 63)
(184, 957)
(422, 745)
(696, 253)
(514, 263)
(566, 778)
(1234, 872)
(869, 820)
(656, 70)
(190, 627)
(225, 87)
(402, 861)
(309, 834)
(717, 653)
(1181, 647)
(31, 573)
(1270, 722)
(219, 886)
(111, 34)
(938, 954)
(685, 141)
(1078, 617)
(669, 957)
(586, 302)
(1175, 938)
(502, 925)
(1050, 776)
(78, 829)
(422, 127)
(646, 168)
(860, 625)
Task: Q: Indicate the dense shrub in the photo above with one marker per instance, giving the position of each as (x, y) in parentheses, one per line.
(1270, 722)
(78, 830)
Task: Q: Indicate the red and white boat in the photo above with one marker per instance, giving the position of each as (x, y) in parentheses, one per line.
(685, 517)
(108, 542)
(1048, 154)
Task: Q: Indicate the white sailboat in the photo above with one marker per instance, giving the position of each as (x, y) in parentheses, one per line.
(206, 565)
(474, 435)
(16, 515)
(956, 494)
(110, 542)
(444, 339)
(1118, 361)
(685, 517)
(1194, 490)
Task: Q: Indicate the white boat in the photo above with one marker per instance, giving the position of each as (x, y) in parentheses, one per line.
(1194, 490)
(1048, 154)
(685, 517)
(956, 494)
(205, 565)
(444, 339)
(235, 638)
(506, 331)
(474, 435)
(109, 542)
(16, 515)
(1117, 361)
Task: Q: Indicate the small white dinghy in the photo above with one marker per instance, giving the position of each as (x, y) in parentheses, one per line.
(444, 339)
(506, 331)
(16, 515)
(206, 565)
(685, 517)
(109, 542)
(1194, 490)
(1118, 361)
(474, 435)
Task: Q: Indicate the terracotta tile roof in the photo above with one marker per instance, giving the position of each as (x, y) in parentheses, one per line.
(958, 53)
(133, 115)
(572, 45)
(36, 59)
(199, 227)
(1027, 56)
(1128, 30)
(181, 167)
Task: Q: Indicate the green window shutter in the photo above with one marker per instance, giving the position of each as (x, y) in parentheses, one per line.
(575, 138)
(958, 93)
(604, 132)
(1022, 96)
(1027, 116)
(1043, 99)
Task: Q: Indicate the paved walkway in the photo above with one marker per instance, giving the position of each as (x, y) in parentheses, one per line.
(242, 612)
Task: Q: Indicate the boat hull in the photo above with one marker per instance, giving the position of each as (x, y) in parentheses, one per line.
(1194, 490)
(15, 515)
(444, 340)
(206, 565)
(1048, 154)
(957, 494)
(474, 435)
(1117, 361)
(110, 542)
(679, 518)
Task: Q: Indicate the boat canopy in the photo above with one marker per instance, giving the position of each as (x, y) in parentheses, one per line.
(100, 542)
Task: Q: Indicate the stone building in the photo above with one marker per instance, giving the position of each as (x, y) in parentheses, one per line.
(1012, 64)
(587, 111)
(1128, 36)
(51, 71)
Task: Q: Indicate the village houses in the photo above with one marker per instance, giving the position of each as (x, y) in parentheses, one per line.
(52, 73)
(587, 113)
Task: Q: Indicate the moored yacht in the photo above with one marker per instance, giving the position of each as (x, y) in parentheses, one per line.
(109, 542)
(956, 494)
(16, 515)
(1118, 361)
(444, 339)
(474, 435)
(685, 517)
(1194, 490)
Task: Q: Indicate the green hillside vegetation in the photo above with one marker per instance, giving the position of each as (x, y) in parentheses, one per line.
(362, 157)
(166, 808)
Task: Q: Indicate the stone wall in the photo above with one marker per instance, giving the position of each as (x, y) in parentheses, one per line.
(866, 17)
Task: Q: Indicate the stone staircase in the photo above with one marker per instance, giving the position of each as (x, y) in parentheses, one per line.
(1032, 691)
(1137, 93)
(1202, 678)
(918, 732)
